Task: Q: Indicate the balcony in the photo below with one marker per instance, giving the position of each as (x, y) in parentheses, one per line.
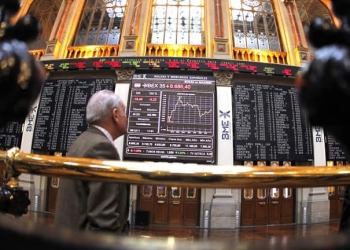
(171, 50)
(197, 51)
(92, 51)
(37, 54)
(256, 55)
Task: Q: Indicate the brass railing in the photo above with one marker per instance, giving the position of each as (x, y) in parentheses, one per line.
(190, 175)
(15, 162)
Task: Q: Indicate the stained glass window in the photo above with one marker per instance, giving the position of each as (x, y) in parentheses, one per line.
(101, 22)
(177, 22)
(45, 12)
(254, 24)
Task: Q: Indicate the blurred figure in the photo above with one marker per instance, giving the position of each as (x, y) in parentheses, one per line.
(324, 85)
(21, 79)
(96, 206)
(21, 76)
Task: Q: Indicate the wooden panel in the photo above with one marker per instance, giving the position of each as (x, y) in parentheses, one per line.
(287, 211)
(262, 209)
(51, 194)
(333, 213)
(262, 212)
(176, 206)
(191, 207)
(145, 201)
(175, 212)
(248, 210)
(274, 211)
(288, 205)
(190, 214)
(160, 205)
(171, 210)
(275, 204)
(336, 202)
(248, 214)
(339, 206)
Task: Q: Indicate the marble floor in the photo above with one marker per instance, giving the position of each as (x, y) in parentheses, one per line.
(268, 235)
(35, 229)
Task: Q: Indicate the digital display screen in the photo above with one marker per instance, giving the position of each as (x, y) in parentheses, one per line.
(171, 118)
(334, 150)
(62, 111)
(11, 135)
(269, 125)
(172, 63)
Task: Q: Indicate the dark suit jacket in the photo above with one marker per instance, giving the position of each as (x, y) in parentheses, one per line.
(87, 205)
(344, 225)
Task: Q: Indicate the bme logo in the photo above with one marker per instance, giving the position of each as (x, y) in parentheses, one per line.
(318, 135)
(31, 118)
(225, 125)
(225, 114)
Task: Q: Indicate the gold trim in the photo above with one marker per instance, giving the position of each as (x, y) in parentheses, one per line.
(176, 174)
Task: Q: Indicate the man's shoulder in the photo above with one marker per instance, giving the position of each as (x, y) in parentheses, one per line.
(89, 143)
(91, 132)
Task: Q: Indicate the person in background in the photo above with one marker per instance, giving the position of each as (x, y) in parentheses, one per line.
(324, 86)
(90, 205)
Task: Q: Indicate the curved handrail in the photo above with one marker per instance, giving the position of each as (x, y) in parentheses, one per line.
(183, 174)
(197, 175)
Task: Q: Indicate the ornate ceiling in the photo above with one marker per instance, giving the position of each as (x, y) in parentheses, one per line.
(309, 9)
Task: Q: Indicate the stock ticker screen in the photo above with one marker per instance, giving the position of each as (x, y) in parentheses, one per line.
(334, 149)
(171, 118)
(11, 135)
(269, 124)
(62, 111)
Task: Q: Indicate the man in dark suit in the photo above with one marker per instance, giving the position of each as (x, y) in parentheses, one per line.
(89, 205)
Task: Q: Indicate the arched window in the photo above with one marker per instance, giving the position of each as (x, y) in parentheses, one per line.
(177, 22)
(308, 10)
(101, 22)
(254, 24)
(46, 12)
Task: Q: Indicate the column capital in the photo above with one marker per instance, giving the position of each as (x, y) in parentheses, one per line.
(124, 74)
(223, 78)
(288, 2)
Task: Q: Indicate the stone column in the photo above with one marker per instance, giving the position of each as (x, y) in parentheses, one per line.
(225, 201)
(54, 45)
(301, 51)
(130, 42)
(220, 43)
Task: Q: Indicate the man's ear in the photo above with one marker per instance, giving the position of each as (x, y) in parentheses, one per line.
(115, 114)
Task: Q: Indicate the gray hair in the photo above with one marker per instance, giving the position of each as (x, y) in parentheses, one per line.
(100, 105)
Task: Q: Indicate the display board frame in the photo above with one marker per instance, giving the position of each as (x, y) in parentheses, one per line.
(269, 124)
(62, 110)
(11, 135)
(171, 118)
(334, 150)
